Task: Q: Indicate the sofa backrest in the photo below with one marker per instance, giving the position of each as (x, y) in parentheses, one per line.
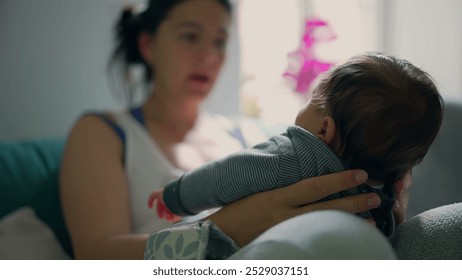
(437, 180)
(29, 176)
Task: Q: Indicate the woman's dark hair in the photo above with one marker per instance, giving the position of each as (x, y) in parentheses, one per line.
(387, 111)
(127, 30)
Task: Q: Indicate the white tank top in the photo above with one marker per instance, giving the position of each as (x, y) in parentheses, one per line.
(147, 168)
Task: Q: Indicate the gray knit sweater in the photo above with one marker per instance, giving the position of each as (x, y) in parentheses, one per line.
(281, 161)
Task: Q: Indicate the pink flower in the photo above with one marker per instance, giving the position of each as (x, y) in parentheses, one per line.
(308, 67)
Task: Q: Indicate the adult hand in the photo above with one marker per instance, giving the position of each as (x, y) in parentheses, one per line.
(247, 218)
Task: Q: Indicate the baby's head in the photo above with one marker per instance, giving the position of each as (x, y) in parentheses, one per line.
(377, 112)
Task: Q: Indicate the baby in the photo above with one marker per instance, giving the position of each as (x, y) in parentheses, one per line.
(374, 112)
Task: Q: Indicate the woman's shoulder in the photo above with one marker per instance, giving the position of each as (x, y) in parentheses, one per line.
(104, 123)
(102, 116)
(91, 143)
(94, 128)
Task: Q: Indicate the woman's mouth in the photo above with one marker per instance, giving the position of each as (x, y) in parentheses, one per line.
(200, 84)
(199, 78)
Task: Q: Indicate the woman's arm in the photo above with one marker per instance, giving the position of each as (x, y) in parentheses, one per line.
(246, 219)
(239, 223)
(94, 194)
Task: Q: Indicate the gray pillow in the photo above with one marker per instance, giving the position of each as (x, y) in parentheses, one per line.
(433, 235)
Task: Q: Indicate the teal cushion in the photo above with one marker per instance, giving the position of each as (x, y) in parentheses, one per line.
(29, 176)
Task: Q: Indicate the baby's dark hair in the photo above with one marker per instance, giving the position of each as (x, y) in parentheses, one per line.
(128, 29)
(387, 113)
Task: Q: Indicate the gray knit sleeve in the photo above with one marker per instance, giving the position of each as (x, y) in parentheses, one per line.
(226, 180)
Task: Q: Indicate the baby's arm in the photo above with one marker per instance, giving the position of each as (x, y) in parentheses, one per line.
(224, 181)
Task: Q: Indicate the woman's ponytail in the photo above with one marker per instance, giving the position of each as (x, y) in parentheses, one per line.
(128, 29)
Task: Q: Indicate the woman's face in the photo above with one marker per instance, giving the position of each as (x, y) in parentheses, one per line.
(188, 49)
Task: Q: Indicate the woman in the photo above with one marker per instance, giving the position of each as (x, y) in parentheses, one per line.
(113, 161)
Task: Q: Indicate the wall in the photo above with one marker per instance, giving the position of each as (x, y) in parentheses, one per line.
(53, 54)
(425, 32)
(53, 65)
(269, 34)
(428, 33)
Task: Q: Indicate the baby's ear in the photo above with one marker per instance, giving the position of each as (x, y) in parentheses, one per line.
(328, 130)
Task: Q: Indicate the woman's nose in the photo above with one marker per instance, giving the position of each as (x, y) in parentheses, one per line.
(208, 54)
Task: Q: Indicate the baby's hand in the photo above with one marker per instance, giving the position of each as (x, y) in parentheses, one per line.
(162, 211)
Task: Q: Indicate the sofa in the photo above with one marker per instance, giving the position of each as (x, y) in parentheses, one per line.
(29, 196)
(29, 199)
